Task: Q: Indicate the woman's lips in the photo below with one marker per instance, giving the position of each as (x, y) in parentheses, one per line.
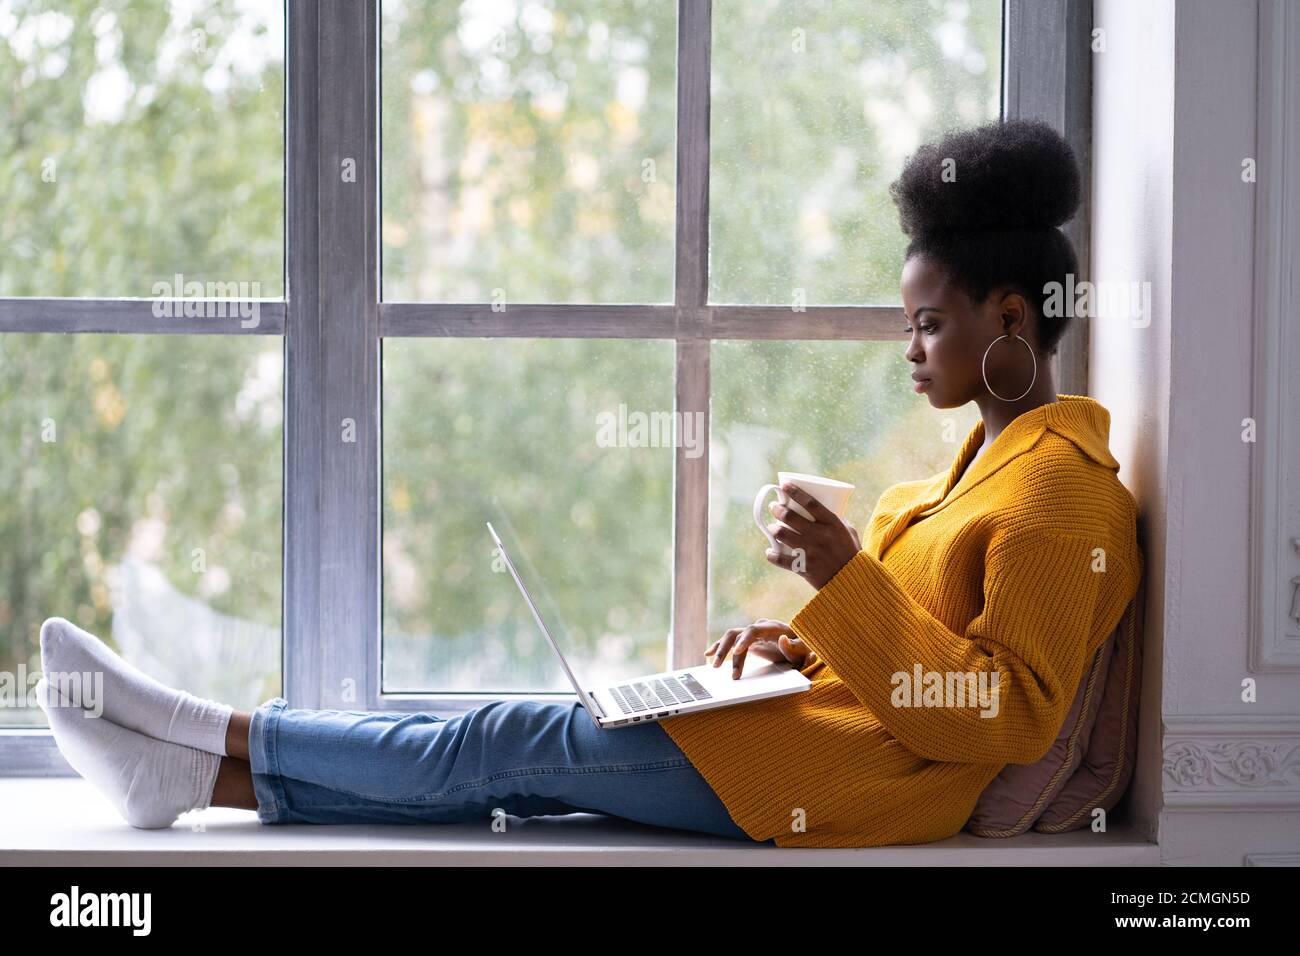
(922, 385)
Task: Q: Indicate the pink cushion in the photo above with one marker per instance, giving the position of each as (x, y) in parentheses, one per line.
(1021, 792)
(1108, 765)
(1090, 762)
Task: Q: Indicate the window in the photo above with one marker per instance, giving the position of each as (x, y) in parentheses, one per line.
(511, 232)
(144, 195)
(531, 159)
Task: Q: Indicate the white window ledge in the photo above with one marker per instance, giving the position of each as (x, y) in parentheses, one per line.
(64, 821)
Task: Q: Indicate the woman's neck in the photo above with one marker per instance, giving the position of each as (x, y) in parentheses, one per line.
(998, 414)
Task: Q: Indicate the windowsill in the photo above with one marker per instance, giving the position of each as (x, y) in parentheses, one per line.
(65, 821)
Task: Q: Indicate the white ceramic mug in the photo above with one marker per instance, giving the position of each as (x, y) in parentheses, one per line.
(834, 495)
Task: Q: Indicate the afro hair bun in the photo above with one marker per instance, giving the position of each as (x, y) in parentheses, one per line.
(1012, 174)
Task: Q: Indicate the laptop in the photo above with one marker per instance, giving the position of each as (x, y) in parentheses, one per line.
(686, 690)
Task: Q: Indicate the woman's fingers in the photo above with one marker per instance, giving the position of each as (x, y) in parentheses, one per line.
(791, 539)
(759, 637)
(792, 647)
(739, 650)
(810, 504)
(727, 644)
(788, 516)
(740, 640)
(720, 647)
(785, 561)
(796, 651)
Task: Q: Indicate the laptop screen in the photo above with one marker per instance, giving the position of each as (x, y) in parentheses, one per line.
(606, 629)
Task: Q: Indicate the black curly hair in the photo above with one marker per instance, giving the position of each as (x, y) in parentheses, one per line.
(995, 224)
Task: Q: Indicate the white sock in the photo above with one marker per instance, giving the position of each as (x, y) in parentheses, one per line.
(131, 698)
(151, 782)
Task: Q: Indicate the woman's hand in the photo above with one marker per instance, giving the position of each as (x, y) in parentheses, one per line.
(821, 546)
(771, 640)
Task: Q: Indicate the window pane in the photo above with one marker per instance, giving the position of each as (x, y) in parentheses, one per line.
(528, 151)
(816, 106)
(143, 496)
(540, 436)
(845, 410)
(142, 140)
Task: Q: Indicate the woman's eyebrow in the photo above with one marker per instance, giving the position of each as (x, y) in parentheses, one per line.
(924, 308)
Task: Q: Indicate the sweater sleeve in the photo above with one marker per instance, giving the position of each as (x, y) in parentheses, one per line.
(1040, 595)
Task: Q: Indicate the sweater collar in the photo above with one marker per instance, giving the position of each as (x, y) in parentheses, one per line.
(1080, 418)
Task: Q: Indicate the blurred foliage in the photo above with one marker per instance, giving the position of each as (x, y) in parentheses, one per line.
(166, 448)
(506, 431)
(137, 146)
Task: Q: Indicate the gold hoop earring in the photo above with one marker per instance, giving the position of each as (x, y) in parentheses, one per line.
(984, 369)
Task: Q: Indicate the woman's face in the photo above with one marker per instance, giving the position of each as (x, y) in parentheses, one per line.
(949, 335)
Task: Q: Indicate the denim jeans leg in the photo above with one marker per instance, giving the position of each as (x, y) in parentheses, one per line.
(518, 757)
(268, 788)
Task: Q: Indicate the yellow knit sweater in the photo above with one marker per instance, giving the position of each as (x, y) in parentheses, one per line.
(1021, 569)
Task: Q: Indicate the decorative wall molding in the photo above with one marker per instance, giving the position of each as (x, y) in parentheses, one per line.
(1219, 762)
(1274, 640)
(1271, 859)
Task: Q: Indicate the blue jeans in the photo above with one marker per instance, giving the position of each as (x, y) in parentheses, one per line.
(523, 757)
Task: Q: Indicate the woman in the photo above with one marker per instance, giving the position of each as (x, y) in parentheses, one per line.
(1007, 572)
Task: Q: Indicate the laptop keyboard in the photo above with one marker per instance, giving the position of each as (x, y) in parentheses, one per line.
(640, 696)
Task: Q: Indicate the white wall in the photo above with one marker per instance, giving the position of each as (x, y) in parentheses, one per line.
(1128, 366)
(1174, 116)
